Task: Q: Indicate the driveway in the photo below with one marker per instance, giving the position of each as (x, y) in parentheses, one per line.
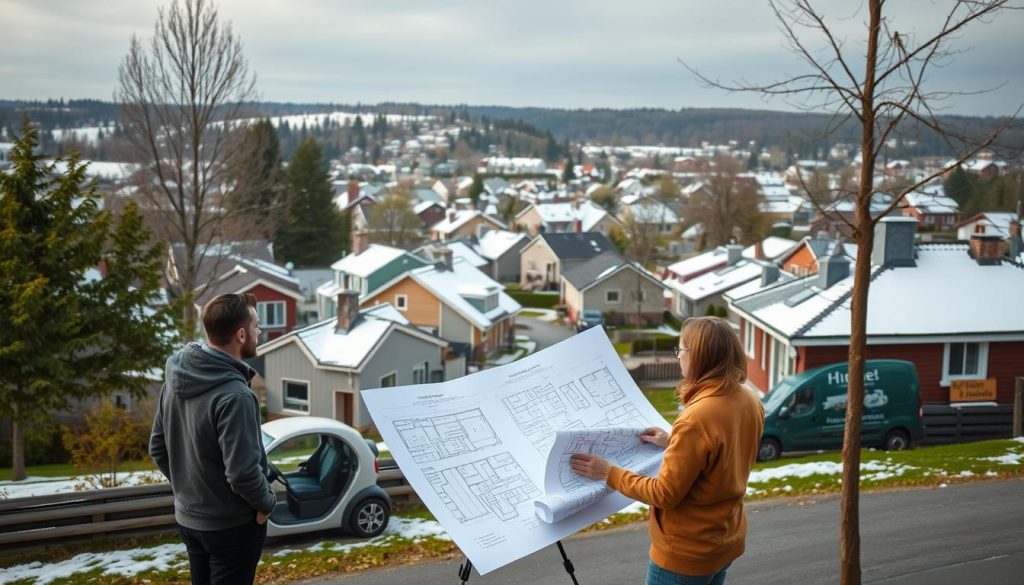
(544, 333)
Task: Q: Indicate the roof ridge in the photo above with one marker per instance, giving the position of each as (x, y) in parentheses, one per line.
(835, 304)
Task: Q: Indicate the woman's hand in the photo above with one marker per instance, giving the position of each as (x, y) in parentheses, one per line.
(590, 466)
(655, 436)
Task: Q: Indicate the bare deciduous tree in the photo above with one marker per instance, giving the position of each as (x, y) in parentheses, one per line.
(182, 98)
(878, 84)
(393, 221)
(727, 206)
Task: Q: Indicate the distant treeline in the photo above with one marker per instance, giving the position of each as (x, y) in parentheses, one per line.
(543, 132)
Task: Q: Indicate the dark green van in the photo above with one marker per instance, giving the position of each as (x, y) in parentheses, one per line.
(807, 411)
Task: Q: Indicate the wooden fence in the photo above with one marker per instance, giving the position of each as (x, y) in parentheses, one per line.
(107, 511)
(946, 424)
(661, 372)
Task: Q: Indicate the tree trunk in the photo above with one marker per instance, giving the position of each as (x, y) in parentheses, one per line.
(849, 501)
(17, 451)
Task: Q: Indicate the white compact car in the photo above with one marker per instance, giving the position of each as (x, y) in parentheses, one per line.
(328, 474)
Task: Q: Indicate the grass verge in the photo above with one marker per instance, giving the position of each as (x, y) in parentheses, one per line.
(791, 476)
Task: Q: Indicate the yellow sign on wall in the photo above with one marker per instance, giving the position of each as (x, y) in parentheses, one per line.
(972, 390)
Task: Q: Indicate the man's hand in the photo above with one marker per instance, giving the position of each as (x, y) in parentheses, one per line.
(655, 436)
(590, 466)
(261, 517)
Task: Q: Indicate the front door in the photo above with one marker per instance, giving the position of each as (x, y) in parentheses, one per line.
(343, 408)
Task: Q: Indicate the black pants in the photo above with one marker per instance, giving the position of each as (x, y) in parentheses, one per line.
(224, 557)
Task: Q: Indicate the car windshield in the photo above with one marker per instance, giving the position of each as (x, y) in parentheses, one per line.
(591, 314)
(777, 395)
(267, 439)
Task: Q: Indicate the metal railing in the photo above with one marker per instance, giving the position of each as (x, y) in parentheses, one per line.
(108, 511)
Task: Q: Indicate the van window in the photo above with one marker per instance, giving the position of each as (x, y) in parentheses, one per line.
(803, 401)
(777, 396)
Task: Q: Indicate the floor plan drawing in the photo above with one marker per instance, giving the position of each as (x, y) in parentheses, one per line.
(574, 396)
(623, 415)
(539, 412)
(440, 437)
(495, 486)
(603, 387)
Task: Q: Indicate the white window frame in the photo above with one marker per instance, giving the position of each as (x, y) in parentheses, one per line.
(284, 396)
(764, 350)
(748, 339)
(982, 373)
(402, 302)
(261, 310)
(618, 296)
(380, 382)
(423, 370)
(125, 399)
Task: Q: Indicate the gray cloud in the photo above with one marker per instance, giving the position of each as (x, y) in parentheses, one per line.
(562, 53)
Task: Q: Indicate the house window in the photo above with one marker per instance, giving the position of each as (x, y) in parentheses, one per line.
(122, 400)
(389, 380)
(296, 395)
(419, 373)
(748, 338)
(964, 361)
(612, 297)
(402, 302)
(272, 314)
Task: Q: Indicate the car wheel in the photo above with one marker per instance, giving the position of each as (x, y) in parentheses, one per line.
(369, 518)
(770, 450)
(897, 440)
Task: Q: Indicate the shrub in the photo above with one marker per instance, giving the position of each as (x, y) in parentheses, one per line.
(659, 343)
(671, 320)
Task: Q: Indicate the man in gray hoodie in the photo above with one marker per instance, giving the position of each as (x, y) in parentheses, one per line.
(206, 439)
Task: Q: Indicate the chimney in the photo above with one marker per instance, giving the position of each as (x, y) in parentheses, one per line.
(352, 188)
(769, 274)
(360, 242)
(444, 256)
(734, 252)
(986, 248)
(348, 310)
(759, 250)
(833, 268)
(894, 242)
(1016, 243)
(577, 226)
(450, 214)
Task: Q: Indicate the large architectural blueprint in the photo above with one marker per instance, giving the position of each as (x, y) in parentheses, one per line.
(566, 493)
(475, 448)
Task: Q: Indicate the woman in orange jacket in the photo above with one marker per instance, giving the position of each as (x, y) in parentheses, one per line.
(697, 523)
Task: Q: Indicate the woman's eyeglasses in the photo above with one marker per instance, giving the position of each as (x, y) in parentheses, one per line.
(679, 351)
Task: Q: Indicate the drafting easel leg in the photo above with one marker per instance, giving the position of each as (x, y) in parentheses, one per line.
(465, 570)
(567, 564)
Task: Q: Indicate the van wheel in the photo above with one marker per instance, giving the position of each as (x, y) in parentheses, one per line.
(897, 440)
(770, 450)
(369, 518)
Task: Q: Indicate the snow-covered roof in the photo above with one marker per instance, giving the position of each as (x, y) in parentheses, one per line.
(718, 281)
(372, 259)
(930, 203)
(495, 243)
(649, 210)
(445, 285)
(773, 247)
(466, 252)
(349, 349)
(111, 171)
(587, 212)
(462, 217)
(975, 300)
(999, 221)
(280, 272)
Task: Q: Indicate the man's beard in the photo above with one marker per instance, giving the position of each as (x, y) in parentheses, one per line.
(249, 349)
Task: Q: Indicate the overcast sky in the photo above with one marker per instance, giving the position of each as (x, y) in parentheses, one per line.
(554, 53)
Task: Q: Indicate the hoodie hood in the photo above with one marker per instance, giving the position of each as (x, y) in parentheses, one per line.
(196, 370)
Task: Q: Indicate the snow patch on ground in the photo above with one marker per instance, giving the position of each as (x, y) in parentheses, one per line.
(880, 470)
(45, 486)
(120, 562)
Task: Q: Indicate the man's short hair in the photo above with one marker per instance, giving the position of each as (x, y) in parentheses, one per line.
(225, 315)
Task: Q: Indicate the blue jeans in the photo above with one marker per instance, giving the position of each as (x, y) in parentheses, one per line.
(658, 576)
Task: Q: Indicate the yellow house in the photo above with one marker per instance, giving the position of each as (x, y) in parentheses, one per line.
(463, 224)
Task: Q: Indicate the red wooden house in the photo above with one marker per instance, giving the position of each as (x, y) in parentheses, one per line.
(954, 310)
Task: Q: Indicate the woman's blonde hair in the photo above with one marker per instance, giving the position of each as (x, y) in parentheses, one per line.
(716, 355)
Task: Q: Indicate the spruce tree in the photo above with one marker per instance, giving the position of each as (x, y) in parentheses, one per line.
(569, 173)
(66, 334)
(476, 189)
(310, 234)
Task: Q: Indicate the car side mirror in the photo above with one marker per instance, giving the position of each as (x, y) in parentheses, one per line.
(784, 413)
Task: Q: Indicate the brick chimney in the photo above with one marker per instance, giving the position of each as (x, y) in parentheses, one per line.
(986, 248)
(348, 310)
(1016, 244)
(450, 215)
(894, 242)
(759, 250)
(577, 226)
(352, 188)
(444, 259)
(360, 242)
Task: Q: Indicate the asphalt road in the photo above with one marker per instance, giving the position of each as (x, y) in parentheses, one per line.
(971, 533)
(545, 333)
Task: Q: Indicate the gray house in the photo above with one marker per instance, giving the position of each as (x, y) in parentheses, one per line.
(319, 370)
